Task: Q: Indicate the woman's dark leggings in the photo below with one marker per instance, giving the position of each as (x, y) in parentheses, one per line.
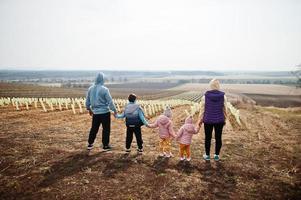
(218, 129)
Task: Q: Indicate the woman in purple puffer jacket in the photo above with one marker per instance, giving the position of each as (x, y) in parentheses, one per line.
(213, 114)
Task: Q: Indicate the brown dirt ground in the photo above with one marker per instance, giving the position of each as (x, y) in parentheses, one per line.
(43, 156)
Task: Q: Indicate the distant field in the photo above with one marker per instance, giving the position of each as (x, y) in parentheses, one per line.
(282, 101)
(262, 94)
(144, 90)
(245, 88)
(27, 90)
(234, 77)
(150, 91)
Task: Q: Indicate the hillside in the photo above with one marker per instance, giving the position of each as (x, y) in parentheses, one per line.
(43, 156)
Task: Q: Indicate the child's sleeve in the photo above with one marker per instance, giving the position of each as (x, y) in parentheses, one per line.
(154, 125)
(88, 102)
(171, 130)
(109, 100)
(180, 133)
(197, 129)
(141, 116)
(120, 116)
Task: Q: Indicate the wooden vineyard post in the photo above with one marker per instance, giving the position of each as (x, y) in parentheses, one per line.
(84, 104)
(26, 104)
(161, 107)
(144, 111)
(60, 106)
(17, 105)
(153, 110)
(73, 109)
(156, 108)
(43, 106)
(35, 104)
(19, 102)
(80, 107)
(187, 113)
(51, 106)
(192, 110)
(150, 112)
(66, 105)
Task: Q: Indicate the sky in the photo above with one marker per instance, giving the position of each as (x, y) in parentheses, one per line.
(150, 35)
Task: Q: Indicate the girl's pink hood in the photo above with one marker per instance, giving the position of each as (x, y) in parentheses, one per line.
(188, 126)
(164, 121)
(165, 126)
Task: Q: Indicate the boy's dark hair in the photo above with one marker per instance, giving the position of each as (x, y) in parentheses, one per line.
(132, 98)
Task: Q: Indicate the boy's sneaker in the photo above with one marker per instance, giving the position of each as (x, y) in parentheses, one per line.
(90, 147)
(107, 148)
(216, 157)
(128, 150)
(188, 159)
(161, 154)
(182, 158)
(206, 157)
(140, 150)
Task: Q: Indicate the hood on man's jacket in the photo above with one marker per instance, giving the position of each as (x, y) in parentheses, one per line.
(99, 79)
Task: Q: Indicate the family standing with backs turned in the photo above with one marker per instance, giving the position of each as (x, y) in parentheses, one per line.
(213, 114)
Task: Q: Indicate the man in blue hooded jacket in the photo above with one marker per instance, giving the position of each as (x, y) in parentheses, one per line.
(99, 103)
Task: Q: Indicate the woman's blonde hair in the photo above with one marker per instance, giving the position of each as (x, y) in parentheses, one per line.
(214, 84)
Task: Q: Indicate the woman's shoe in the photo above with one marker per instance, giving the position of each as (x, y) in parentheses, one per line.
(216, 157)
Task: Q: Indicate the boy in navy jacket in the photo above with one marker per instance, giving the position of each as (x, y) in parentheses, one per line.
(134, 119)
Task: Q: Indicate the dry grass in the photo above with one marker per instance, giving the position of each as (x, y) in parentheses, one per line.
(43, 156)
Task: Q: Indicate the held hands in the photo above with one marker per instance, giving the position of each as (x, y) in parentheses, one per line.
(90, 112)
(200, 122)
